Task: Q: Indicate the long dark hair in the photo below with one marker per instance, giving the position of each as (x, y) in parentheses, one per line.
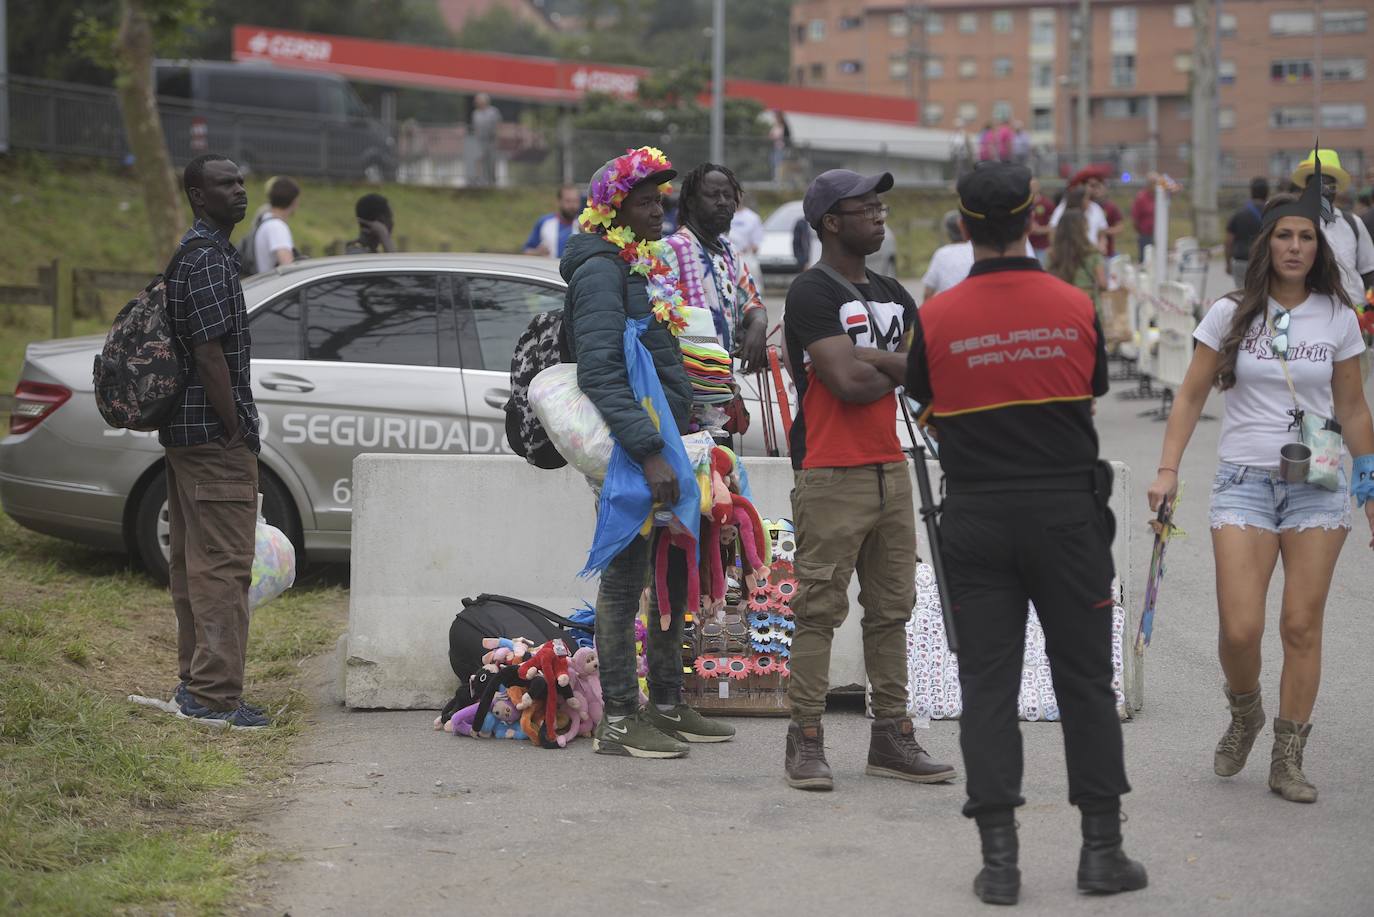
(1071, 246)
(1253, 300)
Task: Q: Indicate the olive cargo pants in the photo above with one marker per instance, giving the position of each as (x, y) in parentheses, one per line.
(852, 519)
(212, 499)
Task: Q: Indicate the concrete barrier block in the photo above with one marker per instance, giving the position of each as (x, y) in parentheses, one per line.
(429, 530)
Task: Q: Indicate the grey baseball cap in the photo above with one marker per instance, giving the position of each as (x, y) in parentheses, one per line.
(835, 185)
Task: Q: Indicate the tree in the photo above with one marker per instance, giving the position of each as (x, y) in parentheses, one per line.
(128, 47)
(500, 31)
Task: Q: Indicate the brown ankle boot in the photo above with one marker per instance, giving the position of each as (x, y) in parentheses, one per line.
(894, 752)
(806, 766)
(1247, 719)
(1285, 762)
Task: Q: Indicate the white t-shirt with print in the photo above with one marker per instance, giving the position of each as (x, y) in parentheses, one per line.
(951, 263)
(1320, 333)
(272, 234)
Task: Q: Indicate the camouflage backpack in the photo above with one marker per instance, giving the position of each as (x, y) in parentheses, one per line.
(138, 377)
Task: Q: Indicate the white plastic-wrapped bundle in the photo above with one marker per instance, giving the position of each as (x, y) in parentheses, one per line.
(573, 423)
(274, 565)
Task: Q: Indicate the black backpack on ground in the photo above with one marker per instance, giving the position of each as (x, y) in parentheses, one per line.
(545, 342)
(138, 377)
(497, 616)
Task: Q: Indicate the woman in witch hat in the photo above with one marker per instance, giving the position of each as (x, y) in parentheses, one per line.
(1286, 345)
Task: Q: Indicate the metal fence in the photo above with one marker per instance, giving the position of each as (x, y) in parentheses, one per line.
(80, 120)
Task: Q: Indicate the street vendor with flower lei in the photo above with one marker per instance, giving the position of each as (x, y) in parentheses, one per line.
(618, 274)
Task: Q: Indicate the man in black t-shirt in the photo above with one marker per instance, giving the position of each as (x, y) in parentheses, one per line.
(852, 503)
(1242, 229)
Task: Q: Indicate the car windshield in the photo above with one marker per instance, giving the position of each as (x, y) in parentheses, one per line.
(784, 218)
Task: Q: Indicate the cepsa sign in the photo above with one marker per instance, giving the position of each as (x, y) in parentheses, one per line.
(290, 47)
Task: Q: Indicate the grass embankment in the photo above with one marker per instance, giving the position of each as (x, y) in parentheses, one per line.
(108, 807)
(94, 217)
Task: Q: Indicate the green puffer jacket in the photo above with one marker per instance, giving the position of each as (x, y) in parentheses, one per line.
(598, 312)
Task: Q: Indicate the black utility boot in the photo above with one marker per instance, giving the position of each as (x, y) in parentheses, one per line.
(894, 752)
(806, 766)
(1103, 867)
(999, 881)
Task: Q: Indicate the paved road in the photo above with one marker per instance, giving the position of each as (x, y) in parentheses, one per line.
(388, 817)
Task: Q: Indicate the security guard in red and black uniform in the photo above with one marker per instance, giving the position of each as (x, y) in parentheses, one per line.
(1007, 364)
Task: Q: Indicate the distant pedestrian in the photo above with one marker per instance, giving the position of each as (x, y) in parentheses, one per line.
(1025, 520)
(1350, 241)
(273, 244)
(375, 225)
(845, 332)
(1143, 216)
(1076, 196)
(1006, 138)
(1287, 344)
(1116, 220)
(746, 234)
(1242, 230)
(961, 149)
(950, 264)
(211, 446)
(486, 121)
(1076, 261)
(987, 144)
(780, 136)
(1020, 144)
(551, 231)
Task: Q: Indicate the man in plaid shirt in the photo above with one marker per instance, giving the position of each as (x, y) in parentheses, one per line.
(212, 444)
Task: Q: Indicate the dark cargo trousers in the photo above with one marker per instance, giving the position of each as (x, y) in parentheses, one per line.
(212, 495)
(617, 606)
(852, 519)
(1052, 548)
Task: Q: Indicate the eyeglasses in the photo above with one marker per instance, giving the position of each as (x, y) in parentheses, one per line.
(1281, 320)
(872, 211)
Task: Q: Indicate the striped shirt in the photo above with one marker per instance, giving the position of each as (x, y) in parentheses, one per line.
(205, 301)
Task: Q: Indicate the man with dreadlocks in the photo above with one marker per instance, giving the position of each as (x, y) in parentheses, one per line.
(713, 272)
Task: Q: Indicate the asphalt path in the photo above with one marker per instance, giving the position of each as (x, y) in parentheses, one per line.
(386, 816)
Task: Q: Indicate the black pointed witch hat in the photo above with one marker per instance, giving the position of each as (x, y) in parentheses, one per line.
(1308, 206)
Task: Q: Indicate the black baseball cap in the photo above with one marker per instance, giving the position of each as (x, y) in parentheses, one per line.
(995, 191)
(835, 185)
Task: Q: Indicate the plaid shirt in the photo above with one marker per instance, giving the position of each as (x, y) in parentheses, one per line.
(205, 301)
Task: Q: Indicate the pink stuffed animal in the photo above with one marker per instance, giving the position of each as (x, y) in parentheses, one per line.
(585, 707)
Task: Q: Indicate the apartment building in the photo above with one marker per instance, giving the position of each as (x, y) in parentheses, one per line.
(980, 61)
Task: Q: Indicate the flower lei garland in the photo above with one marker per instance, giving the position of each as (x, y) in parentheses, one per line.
(646, 258)
(660, 274)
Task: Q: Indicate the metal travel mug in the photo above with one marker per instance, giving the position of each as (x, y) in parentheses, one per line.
(1294, 460)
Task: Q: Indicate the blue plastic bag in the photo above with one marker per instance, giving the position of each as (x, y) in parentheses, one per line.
(626, 502)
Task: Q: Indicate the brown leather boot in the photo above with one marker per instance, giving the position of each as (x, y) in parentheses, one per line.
(806, 766)
(894, 752)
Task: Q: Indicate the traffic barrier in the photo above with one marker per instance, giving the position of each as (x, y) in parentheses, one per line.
(430, 530)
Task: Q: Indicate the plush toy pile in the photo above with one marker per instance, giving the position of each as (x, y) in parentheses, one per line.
(545, 694)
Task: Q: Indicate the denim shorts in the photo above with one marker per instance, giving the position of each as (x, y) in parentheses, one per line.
(1244, 495)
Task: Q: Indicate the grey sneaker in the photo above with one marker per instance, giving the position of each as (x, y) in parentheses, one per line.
(635, 736)
(182, 696)
(684, 723)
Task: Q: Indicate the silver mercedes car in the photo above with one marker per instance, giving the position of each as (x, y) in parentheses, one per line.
(370, 353)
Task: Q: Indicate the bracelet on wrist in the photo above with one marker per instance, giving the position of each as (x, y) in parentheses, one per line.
(1165, 468)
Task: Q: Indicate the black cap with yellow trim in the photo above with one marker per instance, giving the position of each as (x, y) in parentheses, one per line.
(995, 191)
